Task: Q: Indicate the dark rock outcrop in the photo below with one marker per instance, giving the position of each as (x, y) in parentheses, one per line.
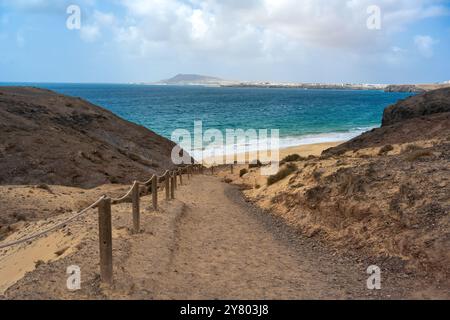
(437, 101)
(422, 117)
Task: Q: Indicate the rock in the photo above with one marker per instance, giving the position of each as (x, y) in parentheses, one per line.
(433, 102)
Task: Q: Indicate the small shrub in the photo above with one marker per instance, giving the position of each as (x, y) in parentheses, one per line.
(61, 252)
(385, 149)
(411, 148)
(243, 172)
(20, 216)
(44, 187)
(293, 158)
(258, 164)
(283, 173)
(114, 180)
(38, 263)
(318, 173)
(416, 155)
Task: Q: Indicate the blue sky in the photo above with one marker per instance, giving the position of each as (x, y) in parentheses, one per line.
(278, 40)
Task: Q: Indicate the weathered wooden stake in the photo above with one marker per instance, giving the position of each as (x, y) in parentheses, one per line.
(175, 180)
(135, 197)
(172, 186)
(232, 169)
(167, 186)
(181, 177)
(155, 192)
(105, 240)
(212, 170)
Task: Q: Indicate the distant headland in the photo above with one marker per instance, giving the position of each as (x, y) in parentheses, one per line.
(202, 80)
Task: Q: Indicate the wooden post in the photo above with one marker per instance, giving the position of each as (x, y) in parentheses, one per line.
(135, 197)
(155, 192)
(212, 170)
(172, 186)
(181, 176)
(167, 186)
(105, 240)
(175, 179)
(232, 169)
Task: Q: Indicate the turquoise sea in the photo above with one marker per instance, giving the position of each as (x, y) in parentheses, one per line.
(302, 116)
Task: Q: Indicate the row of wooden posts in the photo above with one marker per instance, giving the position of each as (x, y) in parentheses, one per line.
(170, 180)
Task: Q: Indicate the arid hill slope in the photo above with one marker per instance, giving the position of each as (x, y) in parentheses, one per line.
(384, 195)
(48, 138)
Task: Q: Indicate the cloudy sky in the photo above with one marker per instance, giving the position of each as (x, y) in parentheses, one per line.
(279, 40)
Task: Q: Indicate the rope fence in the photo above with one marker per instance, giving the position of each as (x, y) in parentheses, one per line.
(168, 181)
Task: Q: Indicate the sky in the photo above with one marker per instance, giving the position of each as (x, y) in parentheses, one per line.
(122, 41)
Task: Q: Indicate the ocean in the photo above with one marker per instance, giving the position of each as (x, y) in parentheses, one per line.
(302, 116)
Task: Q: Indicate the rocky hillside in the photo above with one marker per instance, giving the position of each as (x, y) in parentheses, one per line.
(384, 196)
(421, 117)
(48, 138)
(420, 106)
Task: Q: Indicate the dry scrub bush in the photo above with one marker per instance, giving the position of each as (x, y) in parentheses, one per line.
(292, 158)
(416, 155)
(283, 173)
(411, 148)
(386, 149)
(258, 164)
(243, 172)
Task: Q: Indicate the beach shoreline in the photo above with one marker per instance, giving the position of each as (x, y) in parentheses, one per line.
(305, 150)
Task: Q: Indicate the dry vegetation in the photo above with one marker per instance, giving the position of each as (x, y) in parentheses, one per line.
(283, 173)
(384, 195)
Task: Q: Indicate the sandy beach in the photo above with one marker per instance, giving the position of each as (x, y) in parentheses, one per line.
(302, 150)
(309, 149)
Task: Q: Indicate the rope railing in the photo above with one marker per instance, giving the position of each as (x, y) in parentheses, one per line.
(168, 181)
(55, 227)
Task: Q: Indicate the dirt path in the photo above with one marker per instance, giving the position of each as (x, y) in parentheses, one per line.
(227, 249)
(208, 244)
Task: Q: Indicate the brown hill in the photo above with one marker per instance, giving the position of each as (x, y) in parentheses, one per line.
(48, 138)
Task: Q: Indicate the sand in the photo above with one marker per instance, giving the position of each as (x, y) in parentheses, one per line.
(303, 150)
(308, 150)
(208, 244)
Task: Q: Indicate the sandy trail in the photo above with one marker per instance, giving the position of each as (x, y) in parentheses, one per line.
(225, 249)
(208, 244)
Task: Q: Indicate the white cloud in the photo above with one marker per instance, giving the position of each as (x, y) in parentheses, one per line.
(425, 45)
(43, 6)
(252, 27)
(293, 37)
(92, 31)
